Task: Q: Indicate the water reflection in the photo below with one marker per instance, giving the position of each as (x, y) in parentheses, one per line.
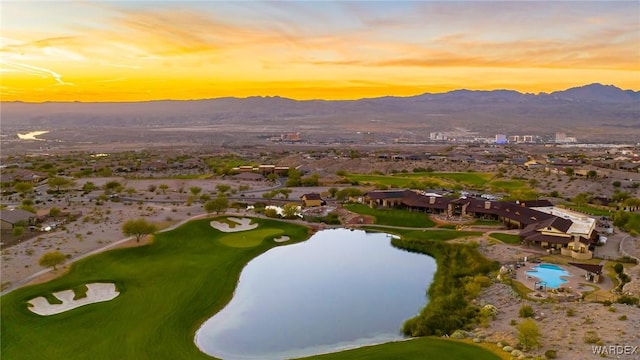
(339, 289)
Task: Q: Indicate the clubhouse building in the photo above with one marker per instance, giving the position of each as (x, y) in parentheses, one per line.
(558, 230)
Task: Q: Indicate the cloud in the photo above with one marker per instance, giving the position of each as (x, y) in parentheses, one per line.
(37, 71)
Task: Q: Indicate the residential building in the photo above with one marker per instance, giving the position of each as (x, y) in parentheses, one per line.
(312, 199)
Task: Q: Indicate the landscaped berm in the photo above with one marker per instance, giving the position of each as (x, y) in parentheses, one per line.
(166, 290)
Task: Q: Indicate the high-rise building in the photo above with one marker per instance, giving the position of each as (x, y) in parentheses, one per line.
(501, 139)
(561, 137)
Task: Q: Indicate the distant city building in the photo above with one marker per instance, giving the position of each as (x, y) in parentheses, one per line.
(290, 137)
(501, 139)
(562, 138)
(437, 136)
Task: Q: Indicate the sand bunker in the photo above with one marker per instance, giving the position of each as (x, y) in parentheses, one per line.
(281, 239)
(97, 292)
(243, 224)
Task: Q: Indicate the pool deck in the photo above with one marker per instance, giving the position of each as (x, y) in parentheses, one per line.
(573, 282)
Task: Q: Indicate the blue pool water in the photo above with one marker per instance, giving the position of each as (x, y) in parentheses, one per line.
(551, 274)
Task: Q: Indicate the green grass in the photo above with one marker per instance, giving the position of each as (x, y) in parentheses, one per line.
(507, 185)
(167, 289)
(521, 289)
(419, 348)
(477, 179)
(393, 217)
(434, 178)
(396, 181)
(251, 238)
(590, 210)
(506, 238)
(80, 292)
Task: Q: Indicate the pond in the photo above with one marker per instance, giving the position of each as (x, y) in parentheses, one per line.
(340, 289)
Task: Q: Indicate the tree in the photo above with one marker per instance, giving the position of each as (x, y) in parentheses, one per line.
(272, 213)
(269, 195)
(582, 198)
(54, 212)
(52, 259)
(89, 187)
(220, 204)
(631, 203)
(592, 174)
(347, 192)
(223, 188)
(619, 196)
(195, 190)
(569, 171)
(152, 187)
(113, 186)
(138, 228)
(130, 191)
(290, 211)
(618, 268)
(285, 192)
(294, 178)
(23, 187)
(529, 334)
(312, 180)
(58, 182)
(163, 188)
(333, 191)
(18, 231)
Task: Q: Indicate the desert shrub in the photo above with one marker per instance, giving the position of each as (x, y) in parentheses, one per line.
(618, 268)
(591, 337)
(571, 312)
(526, 311)
(622, 317)
(271, 213)
(551, 354)
(629, 300)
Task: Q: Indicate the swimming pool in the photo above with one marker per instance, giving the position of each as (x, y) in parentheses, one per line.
(551, 274)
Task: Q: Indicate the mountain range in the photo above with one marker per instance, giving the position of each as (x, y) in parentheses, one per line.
(600, 110)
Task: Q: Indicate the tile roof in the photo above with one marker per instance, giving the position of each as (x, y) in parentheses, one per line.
(15, 215)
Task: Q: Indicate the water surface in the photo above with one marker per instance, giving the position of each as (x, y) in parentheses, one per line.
(339, 289)
(551, 274)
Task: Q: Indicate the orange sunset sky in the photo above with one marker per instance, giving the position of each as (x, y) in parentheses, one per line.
(131, 51)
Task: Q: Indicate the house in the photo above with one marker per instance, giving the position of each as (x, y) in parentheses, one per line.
(9, 218)
(570, 233)
(312, 199)
(593, 271)
(633, 167)
(385, 198)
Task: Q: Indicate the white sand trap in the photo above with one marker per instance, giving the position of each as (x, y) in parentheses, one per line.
(281, 239)
(97, 292)
(243, 224)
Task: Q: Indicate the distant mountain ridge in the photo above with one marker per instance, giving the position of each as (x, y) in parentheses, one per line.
(591, 92)
(585, 110)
